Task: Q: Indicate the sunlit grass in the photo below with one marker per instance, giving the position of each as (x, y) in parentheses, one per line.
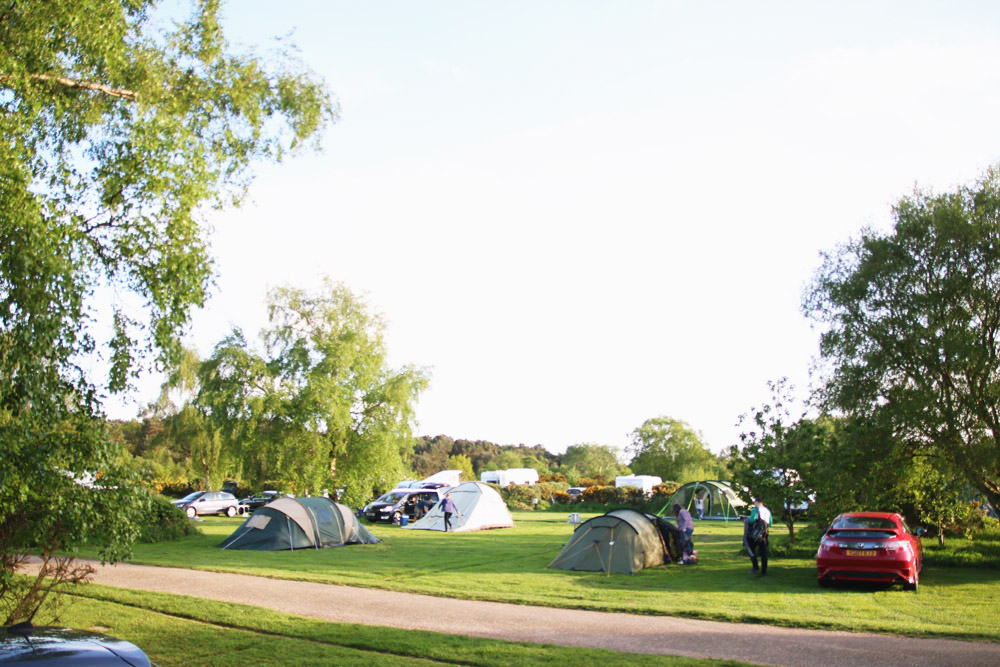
(183, 631)
(510, 566)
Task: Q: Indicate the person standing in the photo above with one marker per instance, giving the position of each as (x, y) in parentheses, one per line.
(758, 527)
(685, 525)
(448, 507)
(699, 506)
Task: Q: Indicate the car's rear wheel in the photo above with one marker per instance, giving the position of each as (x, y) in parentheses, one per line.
(914, 585)
(191, 512)
(230, 511)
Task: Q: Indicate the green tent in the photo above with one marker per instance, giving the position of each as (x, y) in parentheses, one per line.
(720, 500)
(299, 523)
(621, 541)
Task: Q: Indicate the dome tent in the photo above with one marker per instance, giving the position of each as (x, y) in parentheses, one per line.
(622, 541)
(299, 523)
(721, 501)
(479, 507)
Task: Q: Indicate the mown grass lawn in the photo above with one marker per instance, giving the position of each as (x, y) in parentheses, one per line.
(510, 566)
(177, 631)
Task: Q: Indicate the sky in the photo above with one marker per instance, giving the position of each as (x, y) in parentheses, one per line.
(581, 215)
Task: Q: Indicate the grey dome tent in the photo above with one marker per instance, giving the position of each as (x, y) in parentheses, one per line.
(720, 500)
(622, 541)
(479, 507)
(299, 523)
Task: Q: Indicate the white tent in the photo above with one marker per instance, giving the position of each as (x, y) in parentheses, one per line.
(479, 507)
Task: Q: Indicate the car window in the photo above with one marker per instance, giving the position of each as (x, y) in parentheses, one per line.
(191, 496)
(863, 522)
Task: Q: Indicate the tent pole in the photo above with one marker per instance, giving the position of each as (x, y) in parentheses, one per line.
(611, 547)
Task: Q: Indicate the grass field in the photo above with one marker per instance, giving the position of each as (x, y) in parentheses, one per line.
(510, 566)
(177, 631)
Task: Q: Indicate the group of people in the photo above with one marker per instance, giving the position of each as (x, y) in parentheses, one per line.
(448, 509)
(756, 530)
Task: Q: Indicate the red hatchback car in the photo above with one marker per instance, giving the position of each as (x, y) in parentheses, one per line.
(870, 546)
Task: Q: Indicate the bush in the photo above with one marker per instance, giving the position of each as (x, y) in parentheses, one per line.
(165, 521)
(665, 490)
(562, 498)
(173, 488)
(532, 496)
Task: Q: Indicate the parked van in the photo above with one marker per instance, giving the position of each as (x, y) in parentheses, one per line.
(391, 507)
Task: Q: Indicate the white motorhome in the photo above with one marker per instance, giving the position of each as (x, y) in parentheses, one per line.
(522, 476)
(510, 476)
(498, 477)
(644, 482)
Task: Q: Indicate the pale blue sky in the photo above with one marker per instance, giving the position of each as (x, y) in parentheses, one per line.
(581, 215)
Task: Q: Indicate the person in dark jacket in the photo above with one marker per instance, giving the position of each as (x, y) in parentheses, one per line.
(755, 535)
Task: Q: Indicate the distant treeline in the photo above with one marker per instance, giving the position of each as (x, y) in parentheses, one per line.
(431, 454)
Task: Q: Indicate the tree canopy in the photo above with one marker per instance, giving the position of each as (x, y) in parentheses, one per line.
(672, 450)
(319, 406)
(118, 131)
(591, 461)
(913, 333)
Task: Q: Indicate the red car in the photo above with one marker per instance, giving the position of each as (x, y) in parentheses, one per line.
(870, 546)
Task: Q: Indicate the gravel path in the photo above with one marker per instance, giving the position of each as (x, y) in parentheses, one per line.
(759, 644)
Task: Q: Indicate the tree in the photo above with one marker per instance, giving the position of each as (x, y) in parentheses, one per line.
(671, 449)
(116, 136)
(591, 460)
(319, 407)
(462, 462)
(775, 448)
(914, 327)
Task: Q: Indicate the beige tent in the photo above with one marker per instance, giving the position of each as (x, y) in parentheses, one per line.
(479, 507)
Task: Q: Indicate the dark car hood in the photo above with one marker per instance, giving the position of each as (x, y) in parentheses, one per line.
(63, 646)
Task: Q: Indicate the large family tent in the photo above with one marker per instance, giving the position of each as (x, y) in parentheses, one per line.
(720, 501)
(621, 541)
(479, 507)
(299, 523)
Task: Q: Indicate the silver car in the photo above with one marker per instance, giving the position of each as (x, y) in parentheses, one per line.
(208, 502)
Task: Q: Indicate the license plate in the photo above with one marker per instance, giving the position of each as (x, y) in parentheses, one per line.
(870, 553)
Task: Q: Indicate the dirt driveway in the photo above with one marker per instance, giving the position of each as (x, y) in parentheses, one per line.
(760, 644)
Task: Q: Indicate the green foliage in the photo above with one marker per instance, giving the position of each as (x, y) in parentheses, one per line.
(319, 406)
(775, 447)
(431, 454)
(462, 462)
(164, 521)
(590, 460)
(914, 327)
(117, 133)
(531, 496)
(670, 449)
